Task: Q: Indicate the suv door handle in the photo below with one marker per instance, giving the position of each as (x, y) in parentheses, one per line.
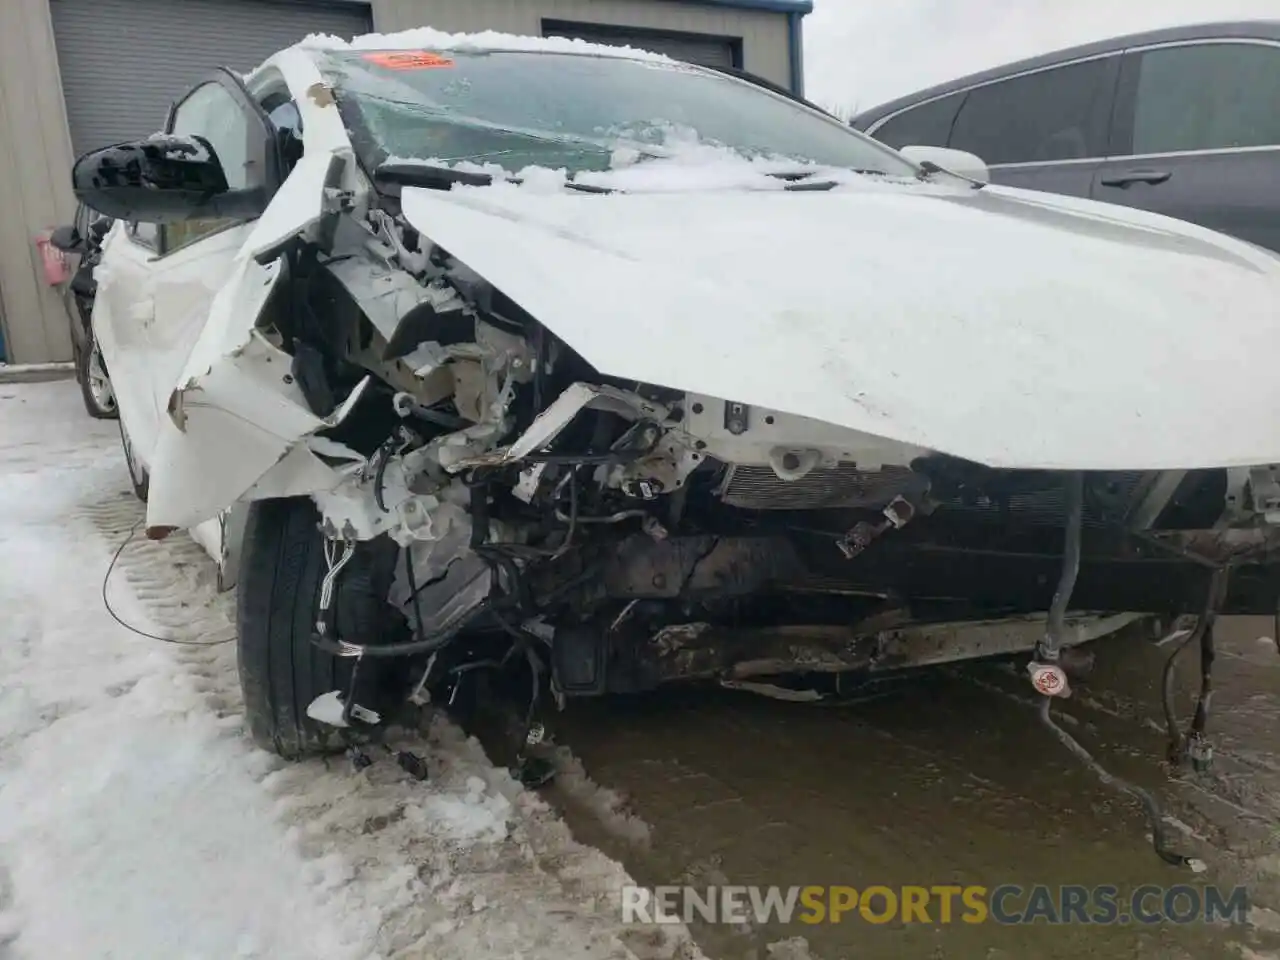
(1128, 177)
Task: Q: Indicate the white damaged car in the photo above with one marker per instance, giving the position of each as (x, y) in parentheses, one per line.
(484, 351)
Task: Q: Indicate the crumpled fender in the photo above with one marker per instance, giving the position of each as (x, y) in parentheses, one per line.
(235, 413)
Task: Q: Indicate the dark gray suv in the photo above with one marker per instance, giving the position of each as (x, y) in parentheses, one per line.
(1183, 122)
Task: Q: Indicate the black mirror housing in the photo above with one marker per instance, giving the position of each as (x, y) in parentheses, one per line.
(67, 239)
(162, 179)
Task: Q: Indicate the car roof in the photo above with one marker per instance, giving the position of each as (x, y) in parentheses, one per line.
(1240, 29)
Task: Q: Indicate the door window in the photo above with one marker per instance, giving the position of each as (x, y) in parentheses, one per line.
(145, 235)
(1207, 97)
(286, 124)
(1053, 115)
(928, 125)
(210, 111)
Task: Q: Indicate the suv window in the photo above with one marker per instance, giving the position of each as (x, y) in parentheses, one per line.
(1207, 97)
(210, 111)
(1058, 114)
(928, 125)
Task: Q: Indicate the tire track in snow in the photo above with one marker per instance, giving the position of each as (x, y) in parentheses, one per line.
(467, 865)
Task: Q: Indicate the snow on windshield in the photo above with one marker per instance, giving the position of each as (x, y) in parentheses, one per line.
(519, 109)
(487, 41)
(686, 165)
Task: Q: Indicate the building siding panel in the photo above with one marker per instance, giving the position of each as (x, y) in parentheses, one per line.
(35, 193)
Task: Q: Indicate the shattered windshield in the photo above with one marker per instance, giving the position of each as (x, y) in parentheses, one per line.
(576, 112)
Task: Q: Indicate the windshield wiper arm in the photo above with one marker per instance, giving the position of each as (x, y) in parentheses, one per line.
(429, 175)
(587, 187)
(794, 176)
(811, 186)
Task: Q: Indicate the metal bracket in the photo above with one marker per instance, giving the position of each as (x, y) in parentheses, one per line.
(896, 516)
(1264, 492)
(737, 417)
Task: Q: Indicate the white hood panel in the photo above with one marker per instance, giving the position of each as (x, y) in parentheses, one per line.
(1011, 328)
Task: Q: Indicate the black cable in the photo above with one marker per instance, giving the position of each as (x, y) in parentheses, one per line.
(1148, 802)
(1176, 744)
(106, 602)
(1049, 650)
(426, 645)
(413, 592)
(384, 457)
(1203, 634)
(1207, 656)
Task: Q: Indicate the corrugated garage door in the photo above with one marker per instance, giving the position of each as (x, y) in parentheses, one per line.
(124, 61)
(709, 51)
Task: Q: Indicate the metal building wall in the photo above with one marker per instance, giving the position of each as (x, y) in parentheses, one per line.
(35, 190)
(765, 38)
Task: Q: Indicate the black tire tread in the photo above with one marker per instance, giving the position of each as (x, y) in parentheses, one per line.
(281, 670)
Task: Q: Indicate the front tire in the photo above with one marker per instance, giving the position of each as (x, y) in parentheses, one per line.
(281, 670)
(95, 385)
(138, 474)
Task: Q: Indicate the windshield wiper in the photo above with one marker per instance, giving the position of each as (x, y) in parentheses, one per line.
(797, 175)
(431, 176)
(811, 186)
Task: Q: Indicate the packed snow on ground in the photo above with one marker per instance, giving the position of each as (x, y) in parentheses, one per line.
(138, 822)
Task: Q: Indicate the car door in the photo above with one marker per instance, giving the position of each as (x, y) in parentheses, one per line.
(1043, 130)
(123, 311)
(1196, 136)
(196, 257)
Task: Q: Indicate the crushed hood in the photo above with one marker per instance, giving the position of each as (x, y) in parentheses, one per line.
(1011, 328)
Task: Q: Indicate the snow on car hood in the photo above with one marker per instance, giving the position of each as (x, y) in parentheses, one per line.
(1012, 328)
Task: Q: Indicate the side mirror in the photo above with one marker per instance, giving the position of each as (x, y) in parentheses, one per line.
(959, 162)
(162, 179)
(67, 239)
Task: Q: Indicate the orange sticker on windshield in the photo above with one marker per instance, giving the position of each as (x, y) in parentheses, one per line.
(408, 60)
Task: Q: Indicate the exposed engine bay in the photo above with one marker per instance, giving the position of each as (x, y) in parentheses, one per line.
(620, 535)
(646, 534)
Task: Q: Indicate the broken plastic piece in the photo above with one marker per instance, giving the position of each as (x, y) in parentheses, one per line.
(412, 764)
(328, 709)
(534, 772)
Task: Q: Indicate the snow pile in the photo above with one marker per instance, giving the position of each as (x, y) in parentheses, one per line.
(469, 816)
(607, 806)
(137, 821)
(487, 41)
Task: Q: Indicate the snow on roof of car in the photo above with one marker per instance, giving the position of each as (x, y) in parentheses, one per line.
(489, 41)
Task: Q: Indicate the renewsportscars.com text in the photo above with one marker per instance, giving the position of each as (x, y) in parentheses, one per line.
(1006, 904)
